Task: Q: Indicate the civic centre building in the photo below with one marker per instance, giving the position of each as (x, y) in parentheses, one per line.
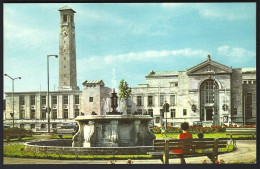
(210, 92)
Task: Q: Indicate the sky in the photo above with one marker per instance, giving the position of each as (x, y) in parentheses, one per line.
(125, 41)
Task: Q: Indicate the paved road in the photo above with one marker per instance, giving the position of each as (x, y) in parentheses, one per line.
(246, 151)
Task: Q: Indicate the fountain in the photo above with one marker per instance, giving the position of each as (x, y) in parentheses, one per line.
(113, 129)
(113, 133)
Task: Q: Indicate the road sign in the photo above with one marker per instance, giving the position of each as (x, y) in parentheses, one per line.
(166, 107)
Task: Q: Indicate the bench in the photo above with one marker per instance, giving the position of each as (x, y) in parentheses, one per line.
(162, 148)
(240, 131)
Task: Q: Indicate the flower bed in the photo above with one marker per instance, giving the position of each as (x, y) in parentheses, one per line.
(198, 129)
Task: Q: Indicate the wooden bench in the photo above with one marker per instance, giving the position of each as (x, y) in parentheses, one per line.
(162, 148)
(240, 131)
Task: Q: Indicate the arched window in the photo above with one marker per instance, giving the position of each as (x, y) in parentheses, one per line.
(208, 99)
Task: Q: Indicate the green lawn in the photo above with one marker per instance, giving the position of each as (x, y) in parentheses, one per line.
(18, 151)
(63, 136)
(23, 139)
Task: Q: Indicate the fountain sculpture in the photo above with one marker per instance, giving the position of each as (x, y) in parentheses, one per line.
(113, 129)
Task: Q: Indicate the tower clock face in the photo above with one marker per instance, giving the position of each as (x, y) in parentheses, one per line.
(65, 32)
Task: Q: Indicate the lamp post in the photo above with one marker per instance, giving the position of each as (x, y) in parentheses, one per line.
(166, 107)
(48, 107)
(12, 92)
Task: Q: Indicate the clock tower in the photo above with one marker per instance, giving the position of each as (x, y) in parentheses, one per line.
(67, 50)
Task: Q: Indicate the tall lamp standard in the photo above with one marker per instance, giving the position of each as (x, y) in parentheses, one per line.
(48, 107)
(12, 114)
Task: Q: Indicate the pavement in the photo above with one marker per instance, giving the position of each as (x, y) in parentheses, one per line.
(245, 153)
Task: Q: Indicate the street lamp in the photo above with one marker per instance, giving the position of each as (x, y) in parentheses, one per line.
(166, 107)
(48, 108)
(12, 93)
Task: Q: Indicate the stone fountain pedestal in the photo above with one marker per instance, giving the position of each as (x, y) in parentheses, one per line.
(113, 131)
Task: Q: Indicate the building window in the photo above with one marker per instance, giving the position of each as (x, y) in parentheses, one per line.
(22, 126)
(76, 99)
(44, 113)
(32, 114)
(172, 100)
(65, 114)
(54, 99)
(139, 111)
(54, 113)
(65, 18)
(157, 119)
(161, 100)
(76, 112)
(32, 100)
(71, 18)
(128, 102)
(21, 100)
(184, 112)
(54, 125)
(43, 99)
(91, 99)
(32, 126)
(176, 84)
(22, 114)
(150, 112)
(139, 101)
(234, 111)
(150, 100)
(172, 113)
(65, 99)
(254, 82)
(244, 82)
(43, 126)
(249, 82)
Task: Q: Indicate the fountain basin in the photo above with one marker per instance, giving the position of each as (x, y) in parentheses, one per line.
(113, 131)
(63, 146)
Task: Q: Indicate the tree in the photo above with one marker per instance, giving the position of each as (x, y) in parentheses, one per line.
(123, 94)
(124, 90)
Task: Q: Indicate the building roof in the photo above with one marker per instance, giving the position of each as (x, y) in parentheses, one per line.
(248, 70)
(66, 8)
(93, 82)
(210, 62)
(163, 73)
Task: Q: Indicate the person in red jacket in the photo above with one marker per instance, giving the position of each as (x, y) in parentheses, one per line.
(184, 135)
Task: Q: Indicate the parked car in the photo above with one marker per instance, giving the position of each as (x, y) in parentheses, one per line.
(65, 129)
(197, 123)
(67, 126)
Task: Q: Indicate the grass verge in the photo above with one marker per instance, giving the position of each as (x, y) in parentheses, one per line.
(18, 152)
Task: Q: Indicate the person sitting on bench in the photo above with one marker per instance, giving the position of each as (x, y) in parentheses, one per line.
(200, 136)
(184, 135)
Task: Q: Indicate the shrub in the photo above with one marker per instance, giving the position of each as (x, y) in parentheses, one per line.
(15, 132)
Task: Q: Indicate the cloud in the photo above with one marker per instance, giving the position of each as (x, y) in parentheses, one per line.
(148, 55)
(225, 11)
(235, 52)
(22, 33)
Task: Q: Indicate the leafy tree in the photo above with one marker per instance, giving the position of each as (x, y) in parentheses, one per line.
(124, 90)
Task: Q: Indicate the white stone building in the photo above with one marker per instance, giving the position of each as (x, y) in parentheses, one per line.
(209, 92)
